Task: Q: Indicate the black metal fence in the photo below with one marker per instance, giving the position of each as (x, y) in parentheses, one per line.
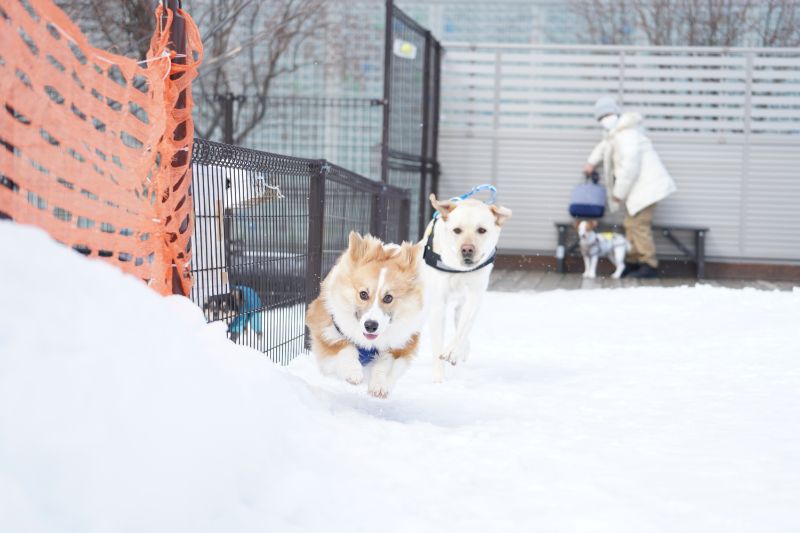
(346, 131)
(393, 138)
(412, 64)
(268, 228)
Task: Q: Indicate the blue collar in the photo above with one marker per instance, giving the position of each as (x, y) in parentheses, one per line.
(365, 355)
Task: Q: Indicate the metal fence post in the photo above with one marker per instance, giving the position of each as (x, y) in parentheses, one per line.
(437, 82)
(380, 205)
(426, 131)
(405, 218)
(316, 216)
(177, 38)
(227, 110)
(228, 100)
(387, 90)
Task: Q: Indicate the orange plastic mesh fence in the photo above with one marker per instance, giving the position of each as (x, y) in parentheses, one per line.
(92, 146)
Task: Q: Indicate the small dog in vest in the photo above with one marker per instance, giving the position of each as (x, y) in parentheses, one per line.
(240, 308)
(595, 245)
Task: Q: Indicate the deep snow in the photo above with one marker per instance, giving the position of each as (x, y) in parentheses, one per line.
(629, 410)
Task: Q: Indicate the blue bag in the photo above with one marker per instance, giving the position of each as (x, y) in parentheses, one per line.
(588, 200)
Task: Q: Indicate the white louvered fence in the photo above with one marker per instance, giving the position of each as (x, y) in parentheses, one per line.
(726, 122)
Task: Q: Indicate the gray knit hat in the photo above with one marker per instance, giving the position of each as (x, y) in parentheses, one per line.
(606, 105)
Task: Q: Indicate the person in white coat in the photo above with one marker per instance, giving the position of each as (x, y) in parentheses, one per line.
(635, 177)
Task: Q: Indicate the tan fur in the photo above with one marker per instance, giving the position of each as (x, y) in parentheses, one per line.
(319, 317)
(590, 224)
(501, 214)
(443, 206)
(409, 350)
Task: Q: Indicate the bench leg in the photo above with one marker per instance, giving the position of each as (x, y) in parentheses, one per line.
(561, 250)
(700, 253)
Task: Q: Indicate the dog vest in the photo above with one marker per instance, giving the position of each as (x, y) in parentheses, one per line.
(251, 304)
(434, 260)
(602, 244)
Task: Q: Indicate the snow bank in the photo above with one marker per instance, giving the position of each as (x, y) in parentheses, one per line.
(630, 410)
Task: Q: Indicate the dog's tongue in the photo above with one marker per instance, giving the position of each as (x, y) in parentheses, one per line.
(370, 336)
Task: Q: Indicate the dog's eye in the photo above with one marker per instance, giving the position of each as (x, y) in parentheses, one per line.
(388, 299)
(457, 231)
(364, 295)
(481, 230)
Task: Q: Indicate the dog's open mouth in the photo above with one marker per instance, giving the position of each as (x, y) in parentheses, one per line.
(371, 336)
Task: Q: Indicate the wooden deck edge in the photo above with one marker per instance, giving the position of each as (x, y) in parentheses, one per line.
(667, 268)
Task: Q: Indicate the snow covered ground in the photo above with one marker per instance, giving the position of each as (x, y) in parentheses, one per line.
(631, 410)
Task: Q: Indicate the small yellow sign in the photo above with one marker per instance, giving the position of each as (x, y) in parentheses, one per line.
(404, 49)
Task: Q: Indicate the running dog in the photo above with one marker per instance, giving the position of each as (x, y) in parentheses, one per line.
(460, 248)
(365, 324)
(596, 245)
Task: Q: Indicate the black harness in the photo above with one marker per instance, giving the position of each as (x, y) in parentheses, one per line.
(434, 260)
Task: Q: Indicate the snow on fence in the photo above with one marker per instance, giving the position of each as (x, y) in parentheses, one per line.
(268, 228)
(726, 122)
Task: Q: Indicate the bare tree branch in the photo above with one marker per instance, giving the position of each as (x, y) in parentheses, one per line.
(689, 22)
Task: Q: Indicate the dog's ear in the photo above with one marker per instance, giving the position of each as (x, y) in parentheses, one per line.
(592, 224)
(373, 249)
(237, 298)
(356, 247)
(444, 207)
(501, 214)
(576, 224)
(409, 254)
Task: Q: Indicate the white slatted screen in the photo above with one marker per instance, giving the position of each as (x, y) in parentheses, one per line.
(725, 122)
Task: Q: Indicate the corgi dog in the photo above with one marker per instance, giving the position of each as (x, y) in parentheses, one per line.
(460, 247)
(595, 245)
(365, 324)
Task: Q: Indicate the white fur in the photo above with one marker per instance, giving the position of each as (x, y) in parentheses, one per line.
(463, 290)
(375, 312)
(345, 365)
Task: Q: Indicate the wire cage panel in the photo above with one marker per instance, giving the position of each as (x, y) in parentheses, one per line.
(267, 229)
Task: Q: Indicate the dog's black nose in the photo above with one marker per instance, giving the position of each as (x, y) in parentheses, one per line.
(467, 251)
(371, 326)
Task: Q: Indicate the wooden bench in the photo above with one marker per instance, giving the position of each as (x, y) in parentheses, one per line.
(698, 256)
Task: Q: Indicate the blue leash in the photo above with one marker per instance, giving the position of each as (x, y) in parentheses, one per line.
(473, 192)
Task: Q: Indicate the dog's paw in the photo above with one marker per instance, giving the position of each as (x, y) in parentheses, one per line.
(438, 371)
(354, 374)
(378, 388)
(450, 357)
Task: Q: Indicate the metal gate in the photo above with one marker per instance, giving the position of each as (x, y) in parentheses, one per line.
(412, 64)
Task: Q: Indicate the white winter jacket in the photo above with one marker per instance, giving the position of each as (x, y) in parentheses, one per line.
(631, 167)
